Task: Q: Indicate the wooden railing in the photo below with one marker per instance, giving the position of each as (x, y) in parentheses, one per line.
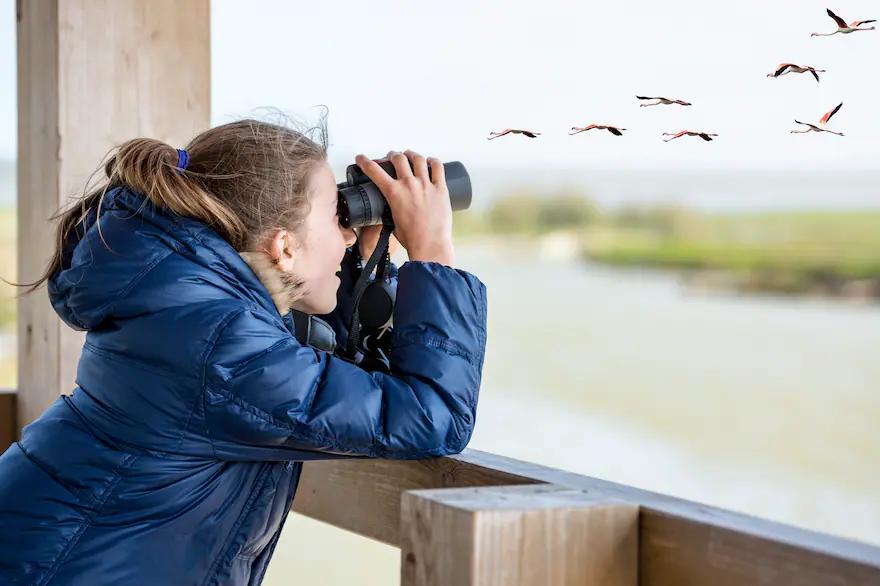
(483, 519)
(480, 519)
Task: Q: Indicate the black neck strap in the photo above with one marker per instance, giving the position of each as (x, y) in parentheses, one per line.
(380, 253)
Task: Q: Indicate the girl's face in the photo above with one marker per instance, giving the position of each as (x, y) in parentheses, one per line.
(313, 259)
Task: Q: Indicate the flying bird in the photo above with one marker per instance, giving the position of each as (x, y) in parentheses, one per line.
(844, 28)
(822, 122)
(786, 68)
(615, 130)
(529, 133)
(704, 135)
(663, 101)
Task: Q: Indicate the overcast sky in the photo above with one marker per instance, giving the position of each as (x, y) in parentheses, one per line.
(438, 77)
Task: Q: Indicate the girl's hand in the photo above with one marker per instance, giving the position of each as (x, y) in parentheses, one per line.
(420, 206)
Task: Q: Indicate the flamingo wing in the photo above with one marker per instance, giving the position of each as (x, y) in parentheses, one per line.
(840, 22)
(647, 98)
(856, 23)
(614, 131)
(813, 71)
(705, 136)
(781, 68)
(529, 133)
(824, 120)
(497, 134)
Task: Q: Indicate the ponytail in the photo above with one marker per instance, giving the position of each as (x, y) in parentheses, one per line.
(241, 179)
(149, 167)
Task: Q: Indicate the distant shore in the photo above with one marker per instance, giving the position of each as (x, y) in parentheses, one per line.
(825, 255)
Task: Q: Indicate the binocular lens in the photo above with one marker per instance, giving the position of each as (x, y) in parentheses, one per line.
(362, 204)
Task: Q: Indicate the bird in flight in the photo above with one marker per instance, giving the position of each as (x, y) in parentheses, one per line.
(822, 122)
(786, 68)
(529, 133)
(615, 130)
(663, 101)
(704, 135)
(844, 28)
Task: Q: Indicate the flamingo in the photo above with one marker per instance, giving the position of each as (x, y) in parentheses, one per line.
(664, 101)
(615, 130)
(844, 28)
(529, 133)
(704, 135)
(822, 122)
(786, 68)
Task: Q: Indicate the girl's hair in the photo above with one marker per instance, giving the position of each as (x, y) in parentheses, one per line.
(242, 179)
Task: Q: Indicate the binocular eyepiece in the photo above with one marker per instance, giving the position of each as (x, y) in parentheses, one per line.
(362, 204)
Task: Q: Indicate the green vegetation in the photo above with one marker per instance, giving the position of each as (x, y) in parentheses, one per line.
(822, 252)
(794, 252)
(7, 268)
(525, 213)
(8, 378)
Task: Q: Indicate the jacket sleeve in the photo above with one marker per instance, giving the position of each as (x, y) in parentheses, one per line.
(268, 397)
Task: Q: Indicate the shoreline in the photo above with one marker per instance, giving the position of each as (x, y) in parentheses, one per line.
(783, 282)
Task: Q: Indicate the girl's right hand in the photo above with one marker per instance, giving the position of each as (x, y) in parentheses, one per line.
(420, 206)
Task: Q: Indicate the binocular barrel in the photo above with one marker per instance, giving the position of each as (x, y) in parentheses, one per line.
(362, 204)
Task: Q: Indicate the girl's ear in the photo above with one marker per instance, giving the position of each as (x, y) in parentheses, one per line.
(281, 248)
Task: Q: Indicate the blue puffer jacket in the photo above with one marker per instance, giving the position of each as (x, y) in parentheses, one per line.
(177, 456)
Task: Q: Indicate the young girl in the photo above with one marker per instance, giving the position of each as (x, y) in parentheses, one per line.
(176, 458)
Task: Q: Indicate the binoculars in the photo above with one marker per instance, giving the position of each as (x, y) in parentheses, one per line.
(362, 204)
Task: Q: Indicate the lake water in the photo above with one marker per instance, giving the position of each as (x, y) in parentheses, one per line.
(765, 405)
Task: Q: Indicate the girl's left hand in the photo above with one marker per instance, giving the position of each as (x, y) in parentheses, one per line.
(368, 237)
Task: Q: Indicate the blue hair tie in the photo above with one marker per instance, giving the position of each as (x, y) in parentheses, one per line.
(182, 159)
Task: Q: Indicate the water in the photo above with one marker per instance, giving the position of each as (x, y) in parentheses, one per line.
(765, 405)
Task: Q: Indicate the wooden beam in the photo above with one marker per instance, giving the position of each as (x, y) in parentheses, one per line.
(8, 427)
(371, 490)
(540, 535)
(91, 74)
(681, 542)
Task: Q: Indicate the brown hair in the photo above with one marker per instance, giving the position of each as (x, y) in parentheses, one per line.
(242, 179)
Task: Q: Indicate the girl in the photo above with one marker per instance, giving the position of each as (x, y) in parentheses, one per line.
(176, 458)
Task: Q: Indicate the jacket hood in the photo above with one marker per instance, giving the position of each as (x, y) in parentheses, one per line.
(143, 260)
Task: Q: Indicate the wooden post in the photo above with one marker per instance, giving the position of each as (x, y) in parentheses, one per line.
(91, 74)
(517, 536)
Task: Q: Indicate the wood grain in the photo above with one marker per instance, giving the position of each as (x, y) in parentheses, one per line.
(540, 535)
(91, 74)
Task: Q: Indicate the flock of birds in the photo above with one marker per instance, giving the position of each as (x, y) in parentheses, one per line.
(781, 69)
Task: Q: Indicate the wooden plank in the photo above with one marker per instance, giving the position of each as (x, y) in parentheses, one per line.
(539, 535)
(681, 542)
(371, 490)
(91, 74)
(8, 427)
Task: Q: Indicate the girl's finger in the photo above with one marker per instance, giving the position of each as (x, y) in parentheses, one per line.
(438, 174)
(376, 173)
(401, 165)
(420, 166)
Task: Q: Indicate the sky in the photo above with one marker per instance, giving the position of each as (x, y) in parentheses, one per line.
(438, 77)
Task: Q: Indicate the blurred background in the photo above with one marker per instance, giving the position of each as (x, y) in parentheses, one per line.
(695, 318)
